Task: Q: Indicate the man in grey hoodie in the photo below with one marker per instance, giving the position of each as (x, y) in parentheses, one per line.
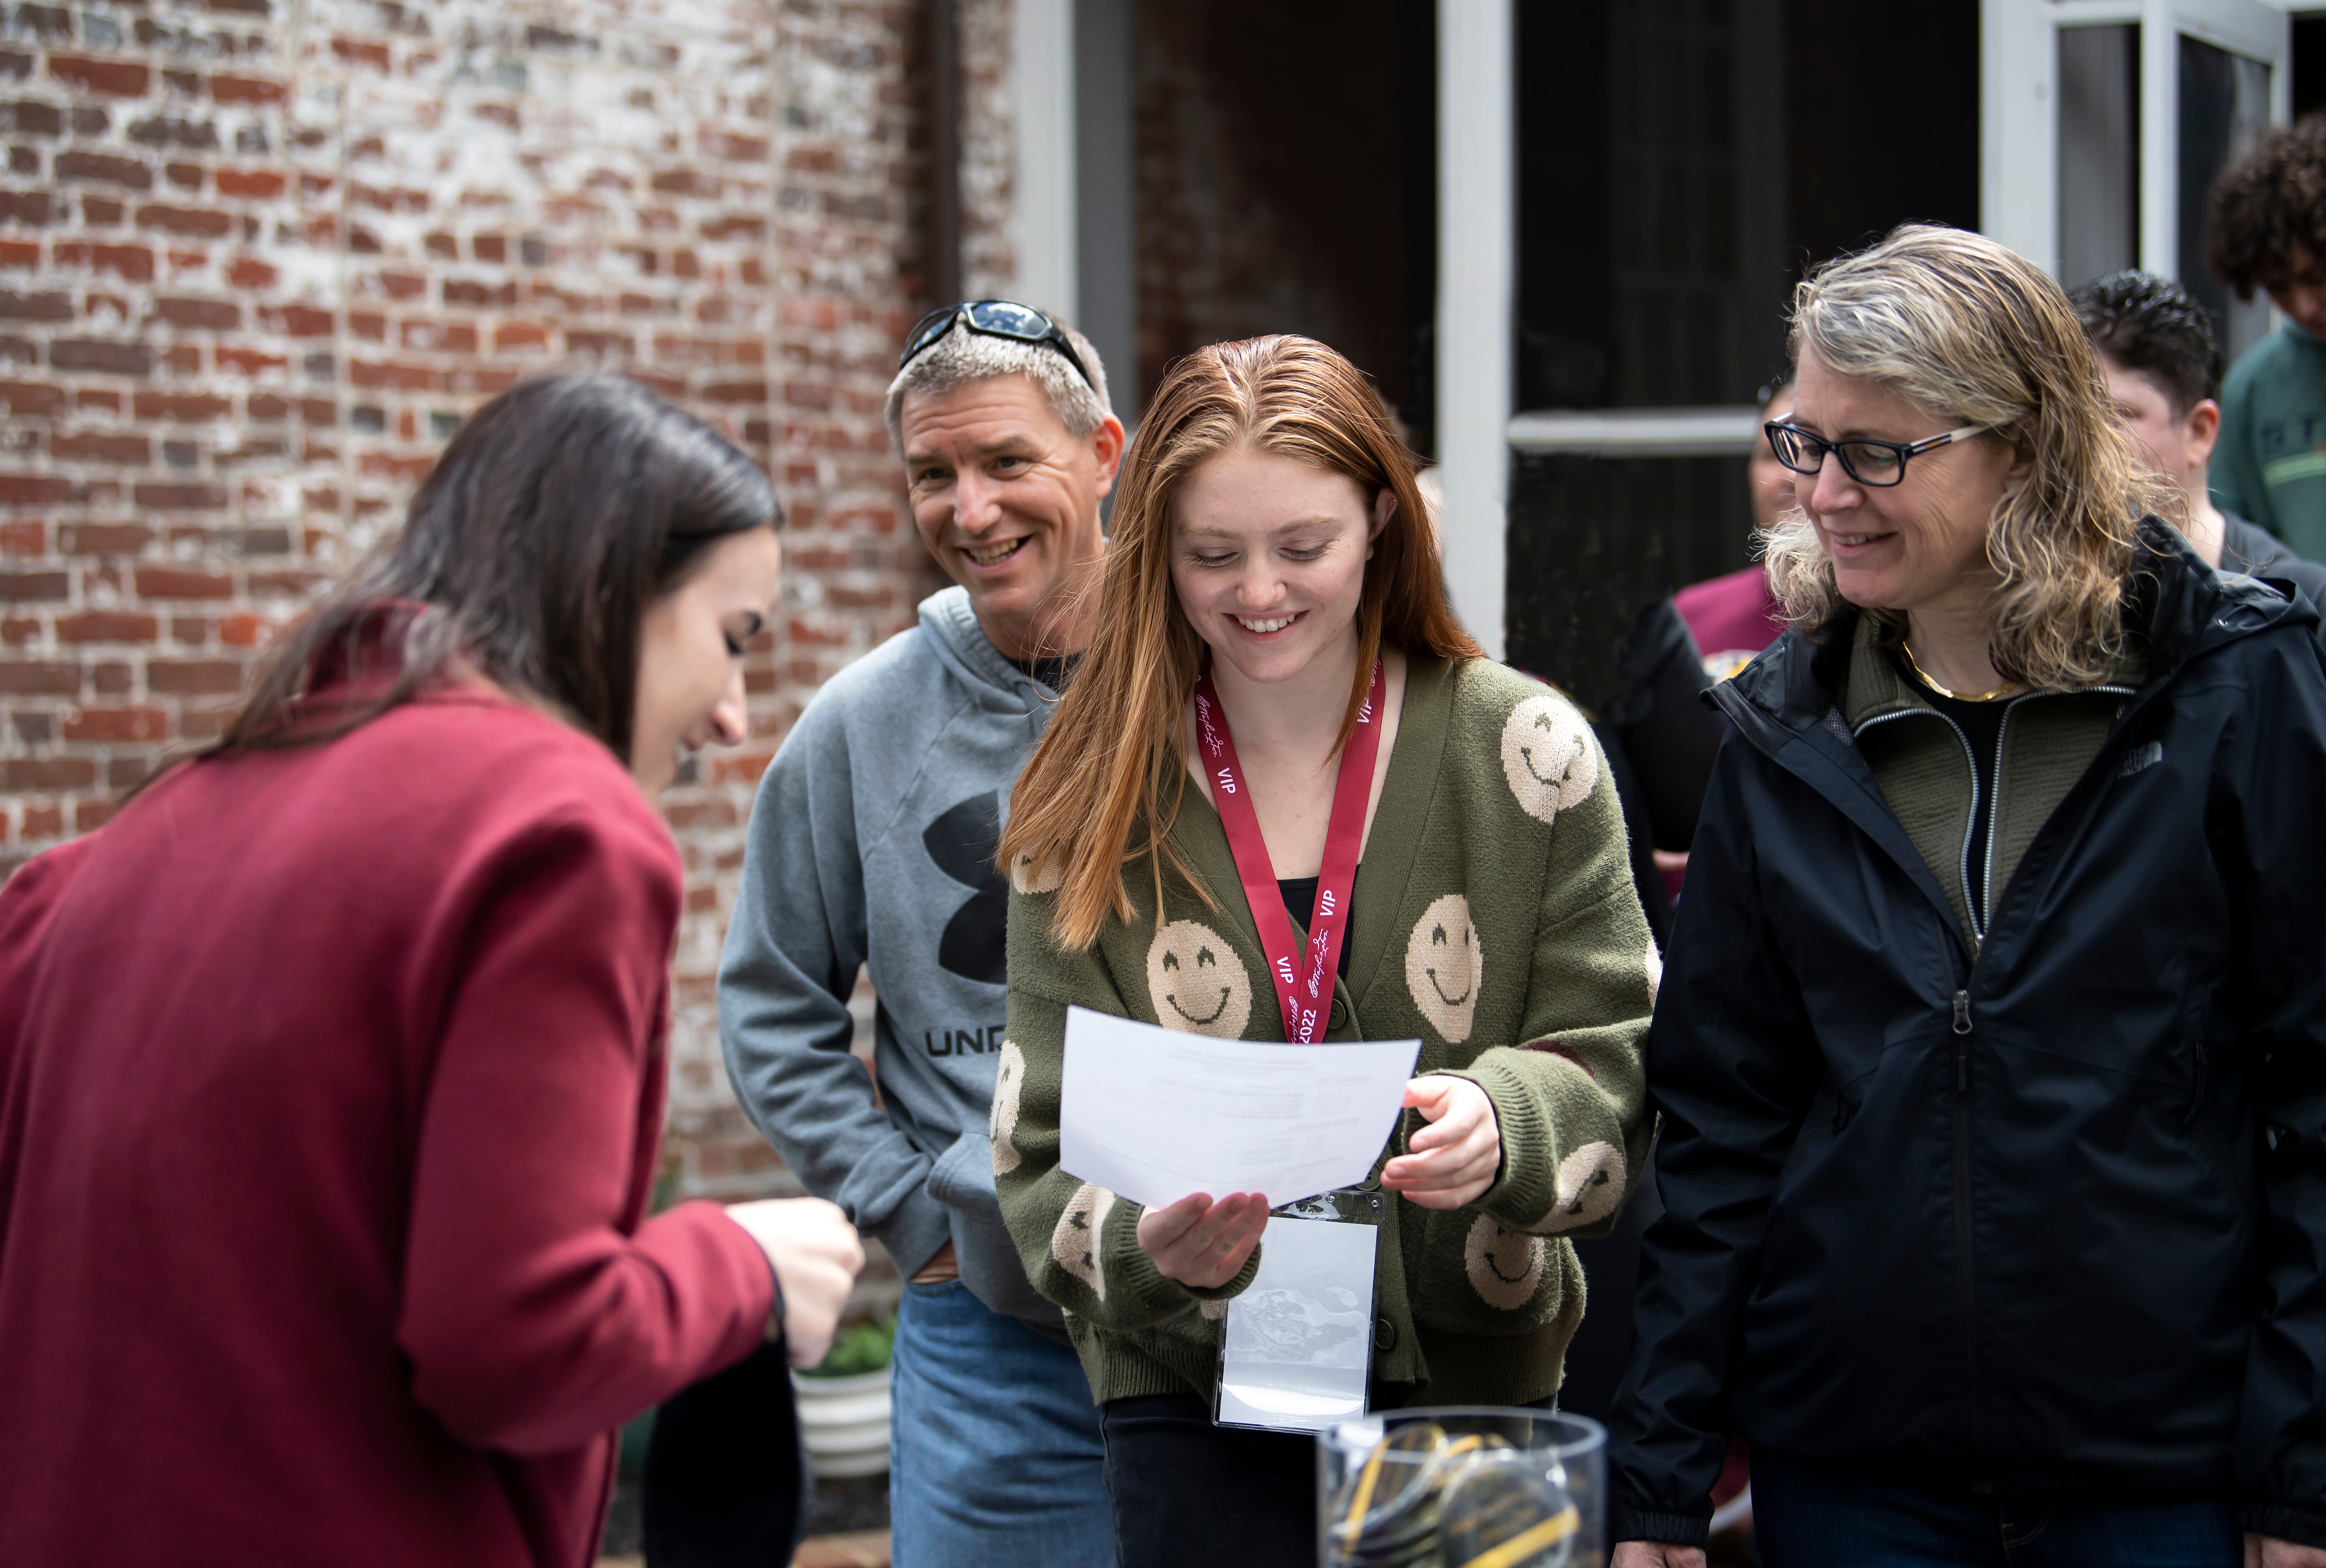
(872, 844)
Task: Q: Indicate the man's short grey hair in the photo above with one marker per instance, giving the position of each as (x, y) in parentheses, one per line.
(962, 357)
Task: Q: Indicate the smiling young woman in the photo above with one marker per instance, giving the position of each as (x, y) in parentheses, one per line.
(1279, 725)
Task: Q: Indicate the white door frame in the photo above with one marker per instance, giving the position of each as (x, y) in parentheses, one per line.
(2019, 132)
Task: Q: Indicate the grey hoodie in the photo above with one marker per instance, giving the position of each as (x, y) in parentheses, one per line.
(872, 843)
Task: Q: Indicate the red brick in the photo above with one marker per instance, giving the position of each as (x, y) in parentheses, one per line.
(117, 724)
(217, 315)
(248, 272)
(511, 335)
(244, 631)
(103, 169)
(100, 447)
(102, 538)
(192, 677)
(31, 397)
(118, 79)
(452, 337)
(33, 490)
(299, 322)
(43, 307)
(185, 220)
(169, 582)
(29, 537)
(34, 586)
(247, 89)
(88, 816)
(181, 497)
(406, 377)
(43, 821)
(29, 207)
(29, 679)
(130, 263)
(411, 470)
(249, 361)
(185, 407)
(357, 52)
(47, 772)
(108, 626)
(20, 253)
(109, 358)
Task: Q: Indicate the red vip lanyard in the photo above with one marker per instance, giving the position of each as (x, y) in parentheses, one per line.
(1303, 999)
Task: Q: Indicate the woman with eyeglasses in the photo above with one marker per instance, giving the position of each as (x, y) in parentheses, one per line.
(1991, 1052)
(332, 1068)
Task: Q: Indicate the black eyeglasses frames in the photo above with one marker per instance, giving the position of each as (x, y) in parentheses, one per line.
(1004, 319)
(1875, 464)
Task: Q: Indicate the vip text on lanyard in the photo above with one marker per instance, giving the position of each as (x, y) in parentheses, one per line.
(1301, 998)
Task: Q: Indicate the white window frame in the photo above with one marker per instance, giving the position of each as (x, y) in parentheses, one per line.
(2019, 131)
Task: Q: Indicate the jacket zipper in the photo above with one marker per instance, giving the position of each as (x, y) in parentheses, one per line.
(1965, 1271)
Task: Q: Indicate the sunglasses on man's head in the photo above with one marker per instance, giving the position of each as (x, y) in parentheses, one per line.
(993, 319)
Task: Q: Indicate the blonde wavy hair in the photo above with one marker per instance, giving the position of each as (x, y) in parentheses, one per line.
(1974, 333)
(1106, 783)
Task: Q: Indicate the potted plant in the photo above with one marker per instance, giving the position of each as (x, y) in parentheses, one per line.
(843, 1403)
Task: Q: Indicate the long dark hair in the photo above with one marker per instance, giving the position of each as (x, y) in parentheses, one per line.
(559, 512)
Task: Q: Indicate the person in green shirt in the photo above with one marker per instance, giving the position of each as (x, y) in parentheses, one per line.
(2268, 218)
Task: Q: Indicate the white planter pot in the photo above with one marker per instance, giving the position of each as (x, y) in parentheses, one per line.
(845, 1422)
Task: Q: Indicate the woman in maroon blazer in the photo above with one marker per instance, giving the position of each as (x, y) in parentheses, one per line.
(331, 1069)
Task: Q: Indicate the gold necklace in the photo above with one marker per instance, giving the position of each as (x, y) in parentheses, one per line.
(2004, 690)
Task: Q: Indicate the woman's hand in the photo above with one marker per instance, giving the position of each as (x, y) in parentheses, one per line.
(1455, 1158)
(2269, 1552)
(1657, 1555)
(1202, 1244)
(816, 1256)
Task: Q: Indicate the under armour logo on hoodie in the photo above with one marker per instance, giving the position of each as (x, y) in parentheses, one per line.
(963, 842)
(2143, 756)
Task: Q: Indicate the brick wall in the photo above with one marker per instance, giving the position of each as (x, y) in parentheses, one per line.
(257, 259)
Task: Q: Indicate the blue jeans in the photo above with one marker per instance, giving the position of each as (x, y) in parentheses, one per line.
(1806, 1516)
(995, 1460)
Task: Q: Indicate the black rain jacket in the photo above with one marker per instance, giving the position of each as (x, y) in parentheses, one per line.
(2048, 1219)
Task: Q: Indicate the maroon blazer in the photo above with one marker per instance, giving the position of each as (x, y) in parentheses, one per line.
(331, 1086)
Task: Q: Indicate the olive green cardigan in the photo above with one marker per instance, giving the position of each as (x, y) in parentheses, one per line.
(1494, 917)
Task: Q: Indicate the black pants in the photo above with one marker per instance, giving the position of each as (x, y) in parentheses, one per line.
(1186, 1492)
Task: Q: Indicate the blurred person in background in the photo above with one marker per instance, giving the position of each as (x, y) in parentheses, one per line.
(331, 1069)
(2268, 214)
(1733, 617)
(1989, 1051)
(2156, 348)
(871, 848)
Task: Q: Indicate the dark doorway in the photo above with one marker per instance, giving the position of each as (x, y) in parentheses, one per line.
(1680, 166)
(1286, 182)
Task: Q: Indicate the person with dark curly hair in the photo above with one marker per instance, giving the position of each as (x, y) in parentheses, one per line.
(2268, 218)
(2162, 364)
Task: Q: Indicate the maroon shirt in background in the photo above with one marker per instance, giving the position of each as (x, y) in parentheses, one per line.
(330, 1088)
(1731, 614)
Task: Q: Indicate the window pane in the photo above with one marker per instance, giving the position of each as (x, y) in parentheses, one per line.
(2224, 100)
(2099, 150)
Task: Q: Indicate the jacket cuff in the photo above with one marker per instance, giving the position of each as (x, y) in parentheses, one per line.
(2286, 1521)
(913, 1232)
(1672, 1529)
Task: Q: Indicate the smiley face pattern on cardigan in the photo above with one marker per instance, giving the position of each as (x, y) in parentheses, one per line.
(1009, 1087)
(1444, 966)
(1027, 878)
(1075, 1242)
(1549, 755)
(1504, 1267)
(1590, 1187)
(1196, 982)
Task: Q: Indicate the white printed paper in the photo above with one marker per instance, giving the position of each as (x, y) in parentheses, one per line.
(1299, 1340)
(1152, 1115)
